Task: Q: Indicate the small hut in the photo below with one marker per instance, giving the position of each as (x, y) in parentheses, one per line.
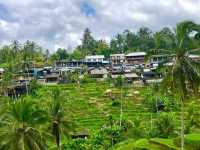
(52, 78)
(98, 72)
(131, 77)
(82, 134)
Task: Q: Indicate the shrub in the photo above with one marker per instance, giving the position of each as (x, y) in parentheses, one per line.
(165, 124)
(76, 144)
(193, 116)
(34, 86)
(158, 103)
(86, 79)
(116, 103)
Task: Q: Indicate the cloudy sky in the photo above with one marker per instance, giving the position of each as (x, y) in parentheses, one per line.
(60, 23)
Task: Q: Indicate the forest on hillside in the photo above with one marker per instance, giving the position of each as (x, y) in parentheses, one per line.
(88, 113)
(127, 41)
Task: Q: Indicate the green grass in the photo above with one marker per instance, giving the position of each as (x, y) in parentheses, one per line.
(127, 145)
(167, 143)
(144, 144)
(192, 141)
(89, 107)
(193, 137)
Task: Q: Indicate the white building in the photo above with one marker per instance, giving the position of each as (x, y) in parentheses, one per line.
(95, 58)
(156, 59)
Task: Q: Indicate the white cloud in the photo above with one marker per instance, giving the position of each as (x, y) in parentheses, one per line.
(60, 23)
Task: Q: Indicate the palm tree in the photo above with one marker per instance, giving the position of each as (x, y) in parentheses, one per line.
(185, 72)
(60, 125)
(18, 127)
(6, 79)
(119, 83)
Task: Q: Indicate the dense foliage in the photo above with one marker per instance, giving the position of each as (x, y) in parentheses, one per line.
(127, 41)
(52, 117)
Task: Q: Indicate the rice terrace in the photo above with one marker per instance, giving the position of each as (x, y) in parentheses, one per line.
(99, 75)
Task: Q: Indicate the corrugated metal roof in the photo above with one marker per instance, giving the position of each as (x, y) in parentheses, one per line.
(95, 57)
(114, 55)
(1, 70)
(136, 54)
(131, 75)
(194, 56)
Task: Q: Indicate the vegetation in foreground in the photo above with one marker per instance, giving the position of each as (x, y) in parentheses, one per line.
(56, 117)
(50, 117)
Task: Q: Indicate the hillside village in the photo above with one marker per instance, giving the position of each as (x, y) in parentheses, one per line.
(135, 67)
(140, 91)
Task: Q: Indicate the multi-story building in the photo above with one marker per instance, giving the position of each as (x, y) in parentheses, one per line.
(135, 58)
(117, 59)
(157, 59)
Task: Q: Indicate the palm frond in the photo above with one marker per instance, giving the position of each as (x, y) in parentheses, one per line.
(183, 31)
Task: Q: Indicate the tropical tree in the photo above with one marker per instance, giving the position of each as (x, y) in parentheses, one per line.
(19, 127)
(88, 43)
(62, 54)
(46, 56)
(102, 48)
(6, 79)
(59, 124)
(145, 39)
(15, 46)
(119, 83)
(184, 73)
(165, 39)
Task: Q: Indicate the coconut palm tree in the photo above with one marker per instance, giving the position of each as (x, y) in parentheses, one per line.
(184, 74)
(19, 127)
(119, 83)
(59, 124)
(6, 79)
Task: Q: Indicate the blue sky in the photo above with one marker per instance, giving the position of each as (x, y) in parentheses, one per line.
(60, 23)
(87, 9)
(4, 13)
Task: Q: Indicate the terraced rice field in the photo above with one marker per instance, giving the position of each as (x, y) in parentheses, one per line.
(90, 107)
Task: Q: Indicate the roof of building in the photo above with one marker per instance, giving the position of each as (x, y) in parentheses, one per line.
(194, 56)
(1, 70)
(81, 133)
(105, 62)
(115, 55)
(114, 76)
(98, 71)
(136, 54)
(147, 70)
(131, 75)
(95, 57)
(52, 76)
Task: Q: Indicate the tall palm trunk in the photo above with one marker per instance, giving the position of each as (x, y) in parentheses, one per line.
(56, 134)
(27, 90)
(182, 124)
(121, 108)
